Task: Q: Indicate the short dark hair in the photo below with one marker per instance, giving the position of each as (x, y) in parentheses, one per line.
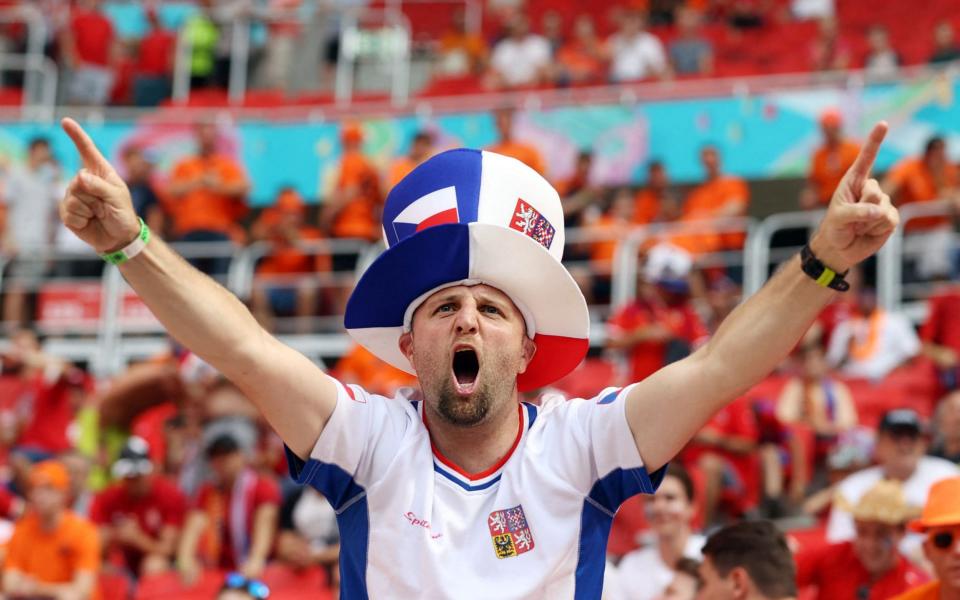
(689, 566)
(934, 143)
(761, 550)
(38, 141)
(223, 445)
(423, 135)
(683, 476)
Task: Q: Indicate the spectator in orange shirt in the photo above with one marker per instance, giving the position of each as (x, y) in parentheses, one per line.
(720, 196)
(603, 233)
(577, 192)
(206, 197)
(940, 522)
(421, 148)
(581, 60)
(53, 552)
(462, 52)
(524, 152)
(282, 285)
(361, 367)
(925, 179)
(829, 162)
(351, 192)
(654, 203)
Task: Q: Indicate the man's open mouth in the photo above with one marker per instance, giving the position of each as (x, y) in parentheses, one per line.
(466, 367)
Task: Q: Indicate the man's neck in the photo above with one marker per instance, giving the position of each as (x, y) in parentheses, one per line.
(951, 446)
(671, 547)
(50, 522)
(949, 593)
(475, 449)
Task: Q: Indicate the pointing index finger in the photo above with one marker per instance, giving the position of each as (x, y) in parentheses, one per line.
(862, 166)
(91, 156)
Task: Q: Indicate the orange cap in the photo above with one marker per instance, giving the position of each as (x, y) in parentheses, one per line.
(831, 118)
(942, 508)
(50, 473)
(351, 133)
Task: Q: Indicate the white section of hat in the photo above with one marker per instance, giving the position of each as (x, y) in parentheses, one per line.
(504, 181)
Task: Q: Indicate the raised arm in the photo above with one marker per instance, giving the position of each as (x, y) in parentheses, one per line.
(294, 395)
(668, 408)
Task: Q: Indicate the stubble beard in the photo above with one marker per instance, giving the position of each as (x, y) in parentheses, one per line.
(460, 411)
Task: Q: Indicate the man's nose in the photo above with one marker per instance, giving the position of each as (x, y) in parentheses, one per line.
(467, 319)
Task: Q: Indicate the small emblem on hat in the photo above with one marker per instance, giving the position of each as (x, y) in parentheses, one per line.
(528, 221)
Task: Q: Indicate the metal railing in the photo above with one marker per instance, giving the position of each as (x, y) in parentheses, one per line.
(758, 247)
(395, 35)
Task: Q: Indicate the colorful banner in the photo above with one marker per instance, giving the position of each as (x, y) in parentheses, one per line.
(764, 136)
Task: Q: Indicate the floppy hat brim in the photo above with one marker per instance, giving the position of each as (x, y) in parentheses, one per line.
(497, 256)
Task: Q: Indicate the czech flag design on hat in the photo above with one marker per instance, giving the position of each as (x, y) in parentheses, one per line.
(471, 217)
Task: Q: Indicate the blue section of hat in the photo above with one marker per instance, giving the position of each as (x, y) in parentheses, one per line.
(431, 258)
(459, 169)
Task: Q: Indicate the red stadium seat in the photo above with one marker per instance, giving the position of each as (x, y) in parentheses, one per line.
(169, 585)
(114, 586)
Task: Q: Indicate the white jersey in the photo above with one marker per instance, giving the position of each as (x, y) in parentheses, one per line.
(413, 525)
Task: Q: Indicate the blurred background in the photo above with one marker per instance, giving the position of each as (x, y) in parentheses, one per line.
(694, 143)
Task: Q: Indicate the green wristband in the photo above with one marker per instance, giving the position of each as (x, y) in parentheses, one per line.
(132, 249)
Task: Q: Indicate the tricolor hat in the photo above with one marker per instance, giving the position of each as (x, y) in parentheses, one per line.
(471, 217)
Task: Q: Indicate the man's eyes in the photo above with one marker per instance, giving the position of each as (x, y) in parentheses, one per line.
(493, 310)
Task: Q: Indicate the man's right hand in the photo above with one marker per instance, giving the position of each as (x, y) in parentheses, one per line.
(97, 207)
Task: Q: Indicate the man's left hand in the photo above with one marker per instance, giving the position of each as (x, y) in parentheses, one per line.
(860, 216)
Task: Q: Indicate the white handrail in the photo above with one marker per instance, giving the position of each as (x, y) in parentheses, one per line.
(758, 244)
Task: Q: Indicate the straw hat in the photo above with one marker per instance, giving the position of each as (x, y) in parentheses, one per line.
(883, 503)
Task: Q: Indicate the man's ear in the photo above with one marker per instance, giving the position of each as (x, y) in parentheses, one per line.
(741, 583)
(406, 345)
(529, 350)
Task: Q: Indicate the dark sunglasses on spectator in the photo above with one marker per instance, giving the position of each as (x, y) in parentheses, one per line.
(254, 587)
(943, 540)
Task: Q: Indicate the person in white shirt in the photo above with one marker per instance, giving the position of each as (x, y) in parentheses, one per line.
(899, 453)
(462, 490)
(645, 573)
(873, 342)
(635, 53)
(522, 58)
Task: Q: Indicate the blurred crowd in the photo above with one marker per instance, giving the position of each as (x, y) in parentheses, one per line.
(516, 46)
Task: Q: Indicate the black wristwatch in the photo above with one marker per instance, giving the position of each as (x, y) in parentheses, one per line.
(821, 273)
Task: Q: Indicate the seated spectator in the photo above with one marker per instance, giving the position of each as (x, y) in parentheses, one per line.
(946, 441)
(421, 148)
(520, 59)
(655, 203)
(747, 560)
(578, 193)
(690, 52)
(940, 526)
(882, 59)
(139, 176)
(719, 196)
(581, 59)
(829, 162)
(309, 534)
(281, 286)
(206, 196)
(88, 50)
(461, 52)
(551, 24)
(660, 326)
(361, 367)
(940, 334)
(945, 48)
(646, 573)
(203, 35)
(725, 452)
(870, 565)
(53, 553)
(31, 194)
(155, 59)
(351, 194)
(53, 391)
(899, 454)
(233, 524)
(509, 145)
(924, 179)
(829, 51)
(686, 581)
(606, 230)
(237, 587)
(817, 400)
(141, 515)
(635, 53)
(872, 342)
